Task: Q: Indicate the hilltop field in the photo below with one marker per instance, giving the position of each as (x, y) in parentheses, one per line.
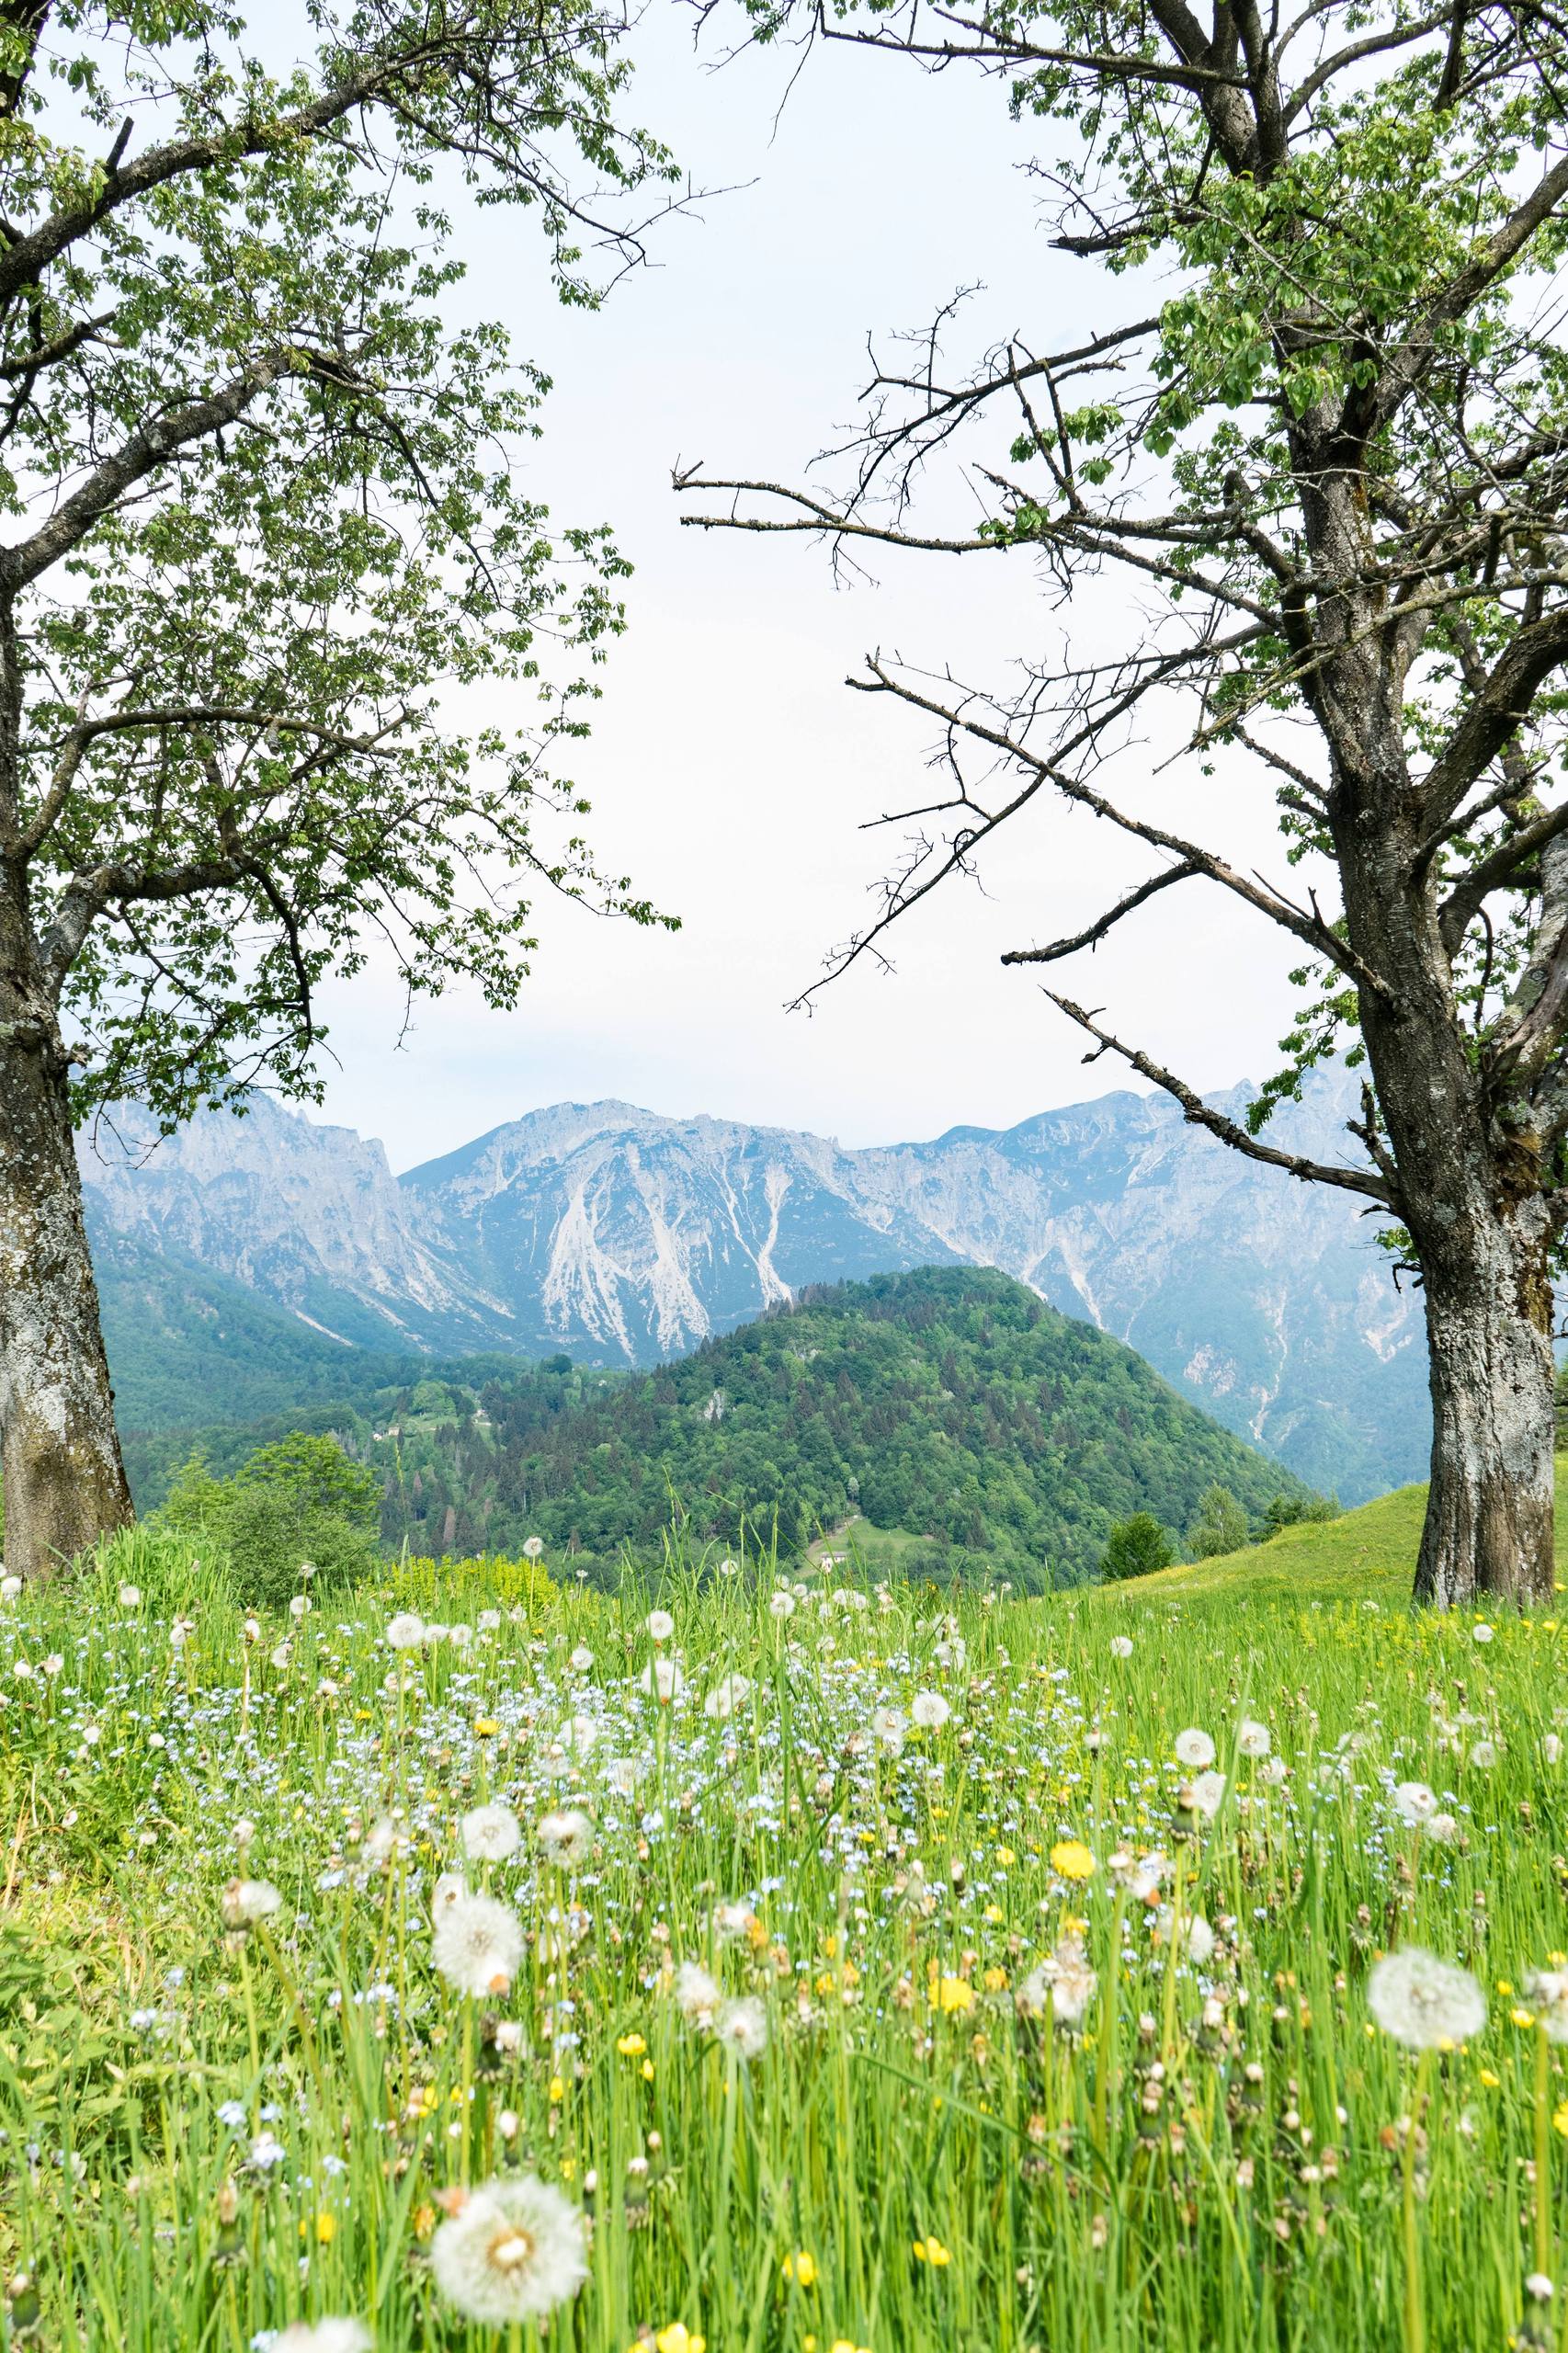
(783, 1964)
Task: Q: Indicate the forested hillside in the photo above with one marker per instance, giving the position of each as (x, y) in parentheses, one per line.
(950, 1403)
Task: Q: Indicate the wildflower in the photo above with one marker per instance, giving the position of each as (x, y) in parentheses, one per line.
(533, 1547)
(131, 1597)
(889, 1724)
(697, 1996)
(728, 1693)
(405, 1631)
(1194, 1749)
(951, 1993)
(1483, 1756)
(380, 1841)
(449, 1888)
(1253, 1739)
(1481, 1632)
(660, 1624)
(578, 1737)
(491, 1833)
(1207, 1794)
(631, 2046)
(1550, 1749)
(565, 1837)
(246, 1901)
(1121, 1646)
(514, 2250)
(1539, 2287)
(10, 1586)
(675, 2338)
(1415, 1804)
(1442, 1827)
(661, 1677)
(1064, 1980)
(1547, 1989)
(932, 2251)
(929, 1710)
(801, 2267)
(732, 1922)
(324, 2336)
(1070, 1858)
(742, 2027)
(298, 1605)
(1424, 2002)
(782, 1603)
(477, 1947)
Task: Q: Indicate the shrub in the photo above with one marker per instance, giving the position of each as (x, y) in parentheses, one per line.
(1137, 1547)
(301, 1500)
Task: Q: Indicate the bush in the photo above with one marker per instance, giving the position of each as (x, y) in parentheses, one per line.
(1137, 1547)
(300, 1501)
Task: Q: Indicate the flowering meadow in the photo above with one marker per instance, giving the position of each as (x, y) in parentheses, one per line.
(776, 1964)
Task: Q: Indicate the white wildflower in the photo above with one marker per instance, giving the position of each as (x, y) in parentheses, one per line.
(1423, 2002)
(246, 1901)
(661, 1625)
(1547, 1989)
(566, 1837)
(491, 1833)
(405, 1631)
(1194, 1749)
(742, 2027)
(514, 2250)
(1121, 1646)
(929, 1710)
(729, 1693)
(1065, 1979)
(1253, 1739)
(1415, 1804)
(697, 1996)
(478, 1945)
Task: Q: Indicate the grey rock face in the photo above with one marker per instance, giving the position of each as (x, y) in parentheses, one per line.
(622, 1237)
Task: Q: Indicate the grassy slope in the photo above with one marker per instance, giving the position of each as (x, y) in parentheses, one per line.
(1368, 1551)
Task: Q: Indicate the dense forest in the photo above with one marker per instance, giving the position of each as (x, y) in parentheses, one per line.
(952, 1405)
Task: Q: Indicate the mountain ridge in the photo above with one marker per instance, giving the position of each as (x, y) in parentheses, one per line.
(623, 1236)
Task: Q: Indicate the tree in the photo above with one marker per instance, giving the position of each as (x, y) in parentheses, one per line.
(1220, 1525)
(1324, 449)
(264, 521)
(299, 1505)
(1136, 1548)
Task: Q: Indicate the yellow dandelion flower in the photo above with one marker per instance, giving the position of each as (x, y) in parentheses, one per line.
(557, 2089)
(1489, 2079)
(1560, 2120)
(1522, 2017)
(951, 1993)
(486, 1727)
(1070, 1858)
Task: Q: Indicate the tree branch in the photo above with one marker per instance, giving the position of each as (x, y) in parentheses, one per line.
(1201, 1115)
(1096, 931)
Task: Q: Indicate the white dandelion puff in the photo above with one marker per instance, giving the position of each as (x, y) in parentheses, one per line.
(566, 1837)
(1548, 1989)
(729, 1693)
(742, 2027)
(697, 1994)
(660, 1624)
(405, 1631)
(1121, 1646)
(1415, 1804)
(929, 1710)
(322, 2337)
(1424, 2002)
(478, 1945)
(1253, 1739)
(1194, 1749)
(514, 2250)
(491, 1833)
(1065, 1980)
(246, 1901)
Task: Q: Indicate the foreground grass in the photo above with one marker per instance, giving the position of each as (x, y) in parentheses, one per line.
(213, 2134)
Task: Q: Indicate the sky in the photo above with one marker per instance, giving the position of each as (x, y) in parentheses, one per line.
(731, 771)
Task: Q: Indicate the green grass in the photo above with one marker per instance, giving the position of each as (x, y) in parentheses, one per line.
(210, 2135)
(1369, 1551)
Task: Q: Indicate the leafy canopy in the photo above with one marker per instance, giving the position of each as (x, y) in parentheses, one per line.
(269, 524)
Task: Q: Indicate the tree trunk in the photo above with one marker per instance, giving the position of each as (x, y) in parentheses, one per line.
(64, 1481)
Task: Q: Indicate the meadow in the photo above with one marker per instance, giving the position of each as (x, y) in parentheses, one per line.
(779, 1963)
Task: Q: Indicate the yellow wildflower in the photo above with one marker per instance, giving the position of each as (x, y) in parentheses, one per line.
(677, 2338)
(951, 1993)
(800, 2267)
(631, 2046)
(931, 2250)
(1070, 1858)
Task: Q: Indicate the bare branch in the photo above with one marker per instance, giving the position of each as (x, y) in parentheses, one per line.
(1096, 931)
(1313, 1172)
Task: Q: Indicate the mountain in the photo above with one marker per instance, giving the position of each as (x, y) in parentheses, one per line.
(621, 1237)
(951, 1405)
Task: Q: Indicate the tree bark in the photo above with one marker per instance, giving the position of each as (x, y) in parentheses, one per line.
(64, 1481)
(1489, 1527)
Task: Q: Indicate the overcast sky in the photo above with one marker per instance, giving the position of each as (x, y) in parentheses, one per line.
(730, 769)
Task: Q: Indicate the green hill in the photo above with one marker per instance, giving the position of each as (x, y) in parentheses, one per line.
(1368, 1554)
(1002, 1438)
